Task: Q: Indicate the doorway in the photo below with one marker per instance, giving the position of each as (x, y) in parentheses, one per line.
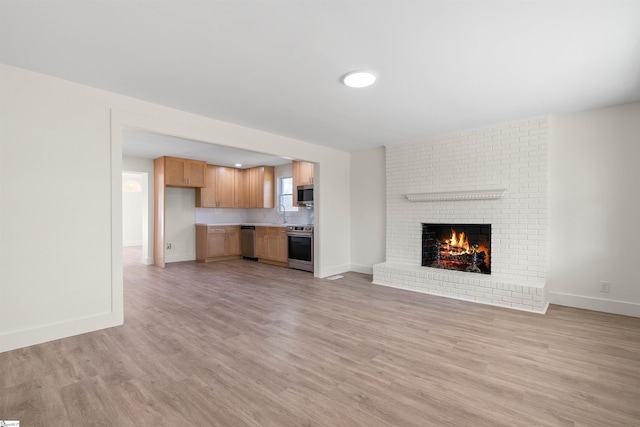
(135, 214)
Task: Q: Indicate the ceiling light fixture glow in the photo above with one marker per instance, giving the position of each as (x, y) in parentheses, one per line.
(359, 79)
(238, 165)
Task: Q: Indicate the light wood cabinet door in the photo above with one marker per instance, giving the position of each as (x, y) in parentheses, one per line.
(196, 173)
(175, 172)
(206, 196)
(305, 173)
(283, 249)
(254, 187)
(242, 188)
(225, 187)
(268, 193)
(263, 187)
(184, 172)
(261, 242)
(232, 244)
(216, 245)
(272, 244)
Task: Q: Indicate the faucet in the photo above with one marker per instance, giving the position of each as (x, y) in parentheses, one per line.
(284, 214)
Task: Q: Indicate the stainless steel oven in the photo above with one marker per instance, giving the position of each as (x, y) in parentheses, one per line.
(300, 243)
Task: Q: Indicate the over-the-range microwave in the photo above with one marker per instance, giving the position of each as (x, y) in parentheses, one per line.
(305, 194)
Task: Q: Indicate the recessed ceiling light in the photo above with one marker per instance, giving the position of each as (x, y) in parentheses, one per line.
(359, 79)
(238, 165)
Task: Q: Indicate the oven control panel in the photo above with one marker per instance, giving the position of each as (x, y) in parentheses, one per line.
(300, 228)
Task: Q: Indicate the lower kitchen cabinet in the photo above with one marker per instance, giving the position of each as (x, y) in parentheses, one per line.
(214, 243)
(271, 245)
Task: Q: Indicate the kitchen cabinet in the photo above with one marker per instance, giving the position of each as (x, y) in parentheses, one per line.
(302, 174)
(258, 187)
(214, 243)
(238, 188)
(220, 191)
(271, 245)
(184, 172)
(242, 188)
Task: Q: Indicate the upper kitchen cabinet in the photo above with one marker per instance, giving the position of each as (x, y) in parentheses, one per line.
(221, 189)
(302, 173)
(184, 172)
(258, 187)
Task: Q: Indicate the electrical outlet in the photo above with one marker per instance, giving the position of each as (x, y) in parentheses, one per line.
(169, 247)
(605, 286)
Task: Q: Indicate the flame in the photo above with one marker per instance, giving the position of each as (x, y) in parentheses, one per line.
(458, 244)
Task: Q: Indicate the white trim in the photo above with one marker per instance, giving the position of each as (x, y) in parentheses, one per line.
(456, 195)
(41, 334)
(597, 304)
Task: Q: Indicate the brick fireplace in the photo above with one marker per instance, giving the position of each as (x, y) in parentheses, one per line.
(495, 176)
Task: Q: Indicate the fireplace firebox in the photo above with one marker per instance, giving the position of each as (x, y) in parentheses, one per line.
(462, 247)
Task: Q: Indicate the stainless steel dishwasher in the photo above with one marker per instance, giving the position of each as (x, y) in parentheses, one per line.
(248, 241)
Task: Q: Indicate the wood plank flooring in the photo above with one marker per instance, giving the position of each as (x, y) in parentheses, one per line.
(237, 343)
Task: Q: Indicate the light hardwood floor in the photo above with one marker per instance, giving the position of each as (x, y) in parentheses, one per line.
(236, 343)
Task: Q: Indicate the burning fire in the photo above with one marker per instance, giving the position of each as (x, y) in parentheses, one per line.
(458, 244)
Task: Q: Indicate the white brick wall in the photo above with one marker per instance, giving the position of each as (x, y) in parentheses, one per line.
(511, 156)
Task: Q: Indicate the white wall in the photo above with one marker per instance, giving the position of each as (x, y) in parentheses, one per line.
(368, 198)
(595, 209)
(180, 220)
(54, 131)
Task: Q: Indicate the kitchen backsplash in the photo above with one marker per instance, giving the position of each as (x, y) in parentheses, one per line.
(236, 216)
(220, 216)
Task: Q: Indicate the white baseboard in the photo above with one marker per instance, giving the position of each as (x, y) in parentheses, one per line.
(360, 268)
(596, 304)
(179, 258)
(55, 331)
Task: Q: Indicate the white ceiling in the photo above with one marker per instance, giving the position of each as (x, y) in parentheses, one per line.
(147, 145)
(276, 65)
